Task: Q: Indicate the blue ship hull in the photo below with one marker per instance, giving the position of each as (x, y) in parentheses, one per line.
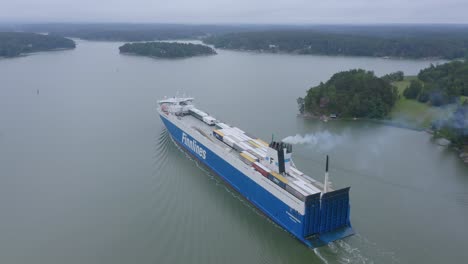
(296, 224)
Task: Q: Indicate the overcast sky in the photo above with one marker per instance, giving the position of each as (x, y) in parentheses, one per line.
(236, 11)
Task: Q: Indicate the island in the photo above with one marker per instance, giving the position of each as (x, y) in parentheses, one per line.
(166, 49)
(16, 43)
(350, 94)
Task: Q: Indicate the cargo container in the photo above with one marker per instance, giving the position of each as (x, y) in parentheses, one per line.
(228, 140)
(236, 138)
(245, 153)
(256, 153)
(238, 147)
(261, 169)
(254, 144)
(197, 113)
(278, 182)
(278, 179)
(296, 191)
(241, 136)
(247, 158)
(262, 142)
(306, 187)
(245, 145)
(218, 134)
(261, 151)
(209, 120)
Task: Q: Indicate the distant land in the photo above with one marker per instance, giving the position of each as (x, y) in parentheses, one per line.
(416, 43)
(397, 41)
(166, 49)
(130, 32)
(16, 43)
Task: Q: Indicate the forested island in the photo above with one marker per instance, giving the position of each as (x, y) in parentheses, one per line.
(355, 93)
(166, 49)
(401, 43)
(16, 43)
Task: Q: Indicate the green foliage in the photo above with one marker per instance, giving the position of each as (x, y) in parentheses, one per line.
(442, 84)
(449, 80)
(413, 90)
(423, 97)
(411, 43)
(355, 93)
(394, 76)
(16, 43)
(166, 49)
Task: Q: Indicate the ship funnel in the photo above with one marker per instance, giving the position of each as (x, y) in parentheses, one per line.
(279, 156)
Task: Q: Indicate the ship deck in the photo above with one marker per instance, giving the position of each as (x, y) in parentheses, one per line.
(204, 129)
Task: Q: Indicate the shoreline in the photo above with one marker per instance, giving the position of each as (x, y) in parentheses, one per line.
(330, 55)
(24, 54)
(165, 58)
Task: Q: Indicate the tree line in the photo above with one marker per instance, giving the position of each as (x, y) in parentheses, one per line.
(131, 32)
(440, 85)
(16, 43)
(453, 44)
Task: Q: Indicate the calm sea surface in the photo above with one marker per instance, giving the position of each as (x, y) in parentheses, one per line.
(88, 173)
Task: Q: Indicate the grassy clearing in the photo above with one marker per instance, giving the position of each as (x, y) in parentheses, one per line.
(402, 85)
(412, 112)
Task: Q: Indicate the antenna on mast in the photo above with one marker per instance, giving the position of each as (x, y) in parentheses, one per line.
(325, 183)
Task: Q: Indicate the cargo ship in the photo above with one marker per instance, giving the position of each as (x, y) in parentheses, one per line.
(263, 173)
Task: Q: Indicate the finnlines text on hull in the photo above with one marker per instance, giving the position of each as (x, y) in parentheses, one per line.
(192, 144)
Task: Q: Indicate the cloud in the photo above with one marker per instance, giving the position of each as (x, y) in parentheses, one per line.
(240, 11)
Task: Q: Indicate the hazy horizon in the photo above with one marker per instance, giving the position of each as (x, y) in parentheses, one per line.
(295, 12)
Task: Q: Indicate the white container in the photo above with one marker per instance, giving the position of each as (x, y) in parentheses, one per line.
(228, 140)
(307, 187)
(209, 120)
